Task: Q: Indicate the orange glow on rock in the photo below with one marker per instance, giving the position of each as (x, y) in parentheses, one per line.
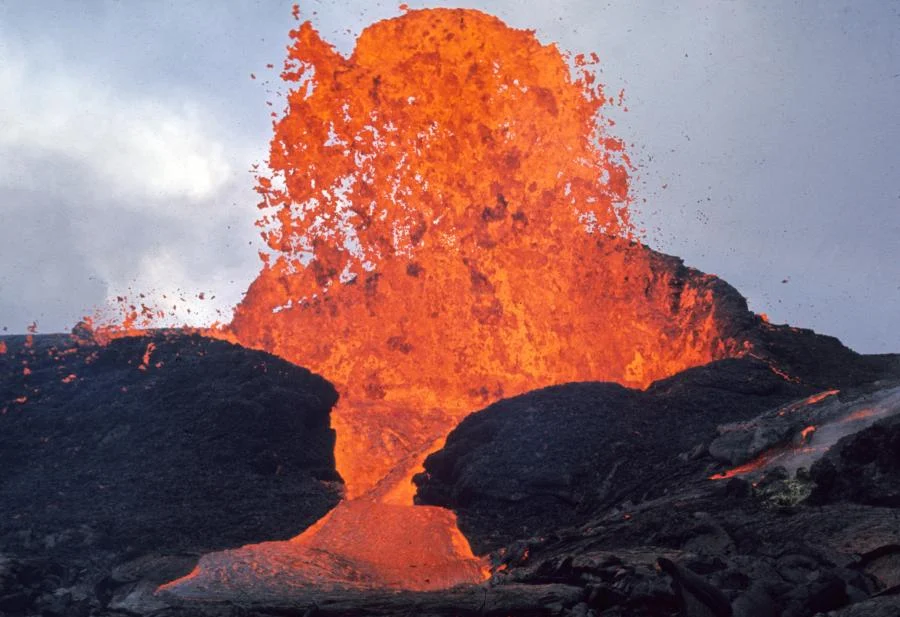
(863, 414)
(407, 548)
(810, 400)
(2, 347)
(821, 396)
(145, 360)
(764, 460)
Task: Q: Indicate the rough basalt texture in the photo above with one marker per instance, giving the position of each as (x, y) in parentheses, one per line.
(862, 468)
(751, 547)
(816, 359)
(720, 549)
(160, 447)
(610, 489)
(524, 466)
(527, 465)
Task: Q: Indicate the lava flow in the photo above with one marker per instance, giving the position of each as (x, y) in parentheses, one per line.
(448, 222)
(806, 445)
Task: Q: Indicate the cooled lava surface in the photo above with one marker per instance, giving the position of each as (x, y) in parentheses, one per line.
(156, 449)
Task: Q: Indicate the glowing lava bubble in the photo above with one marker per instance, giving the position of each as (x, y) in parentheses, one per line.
(449, 225)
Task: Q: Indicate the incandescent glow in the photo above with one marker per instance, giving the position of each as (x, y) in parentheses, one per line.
(808, 401)
(768, 459)
(447, 218)
(833, 421)
(821, 396)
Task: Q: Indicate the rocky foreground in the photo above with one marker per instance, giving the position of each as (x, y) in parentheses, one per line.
(627, 495)
(121, 464)
(706, 494)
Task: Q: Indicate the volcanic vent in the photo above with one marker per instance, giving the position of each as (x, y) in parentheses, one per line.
(448, 221)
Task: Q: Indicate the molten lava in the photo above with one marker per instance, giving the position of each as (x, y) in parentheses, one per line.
(833, 421)
(810, 400)
(448, 224)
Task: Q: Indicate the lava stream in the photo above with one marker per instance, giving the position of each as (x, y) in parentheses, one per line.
(834, 422)
(376, 539)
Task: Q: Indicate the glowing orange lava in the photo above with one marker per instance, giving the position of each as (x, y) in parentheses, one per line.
(821, 396)
(765, 460)
(448, 224)
(864, 414)
(145, 359)
(810, 400)
(815, 439)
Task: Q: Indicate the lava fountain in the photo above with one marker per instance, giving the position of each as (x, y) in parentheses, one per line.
(447, 214)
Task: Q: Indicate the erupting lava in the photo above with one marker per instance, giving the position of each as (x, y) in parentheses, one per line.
(450, 226)
(448, 220)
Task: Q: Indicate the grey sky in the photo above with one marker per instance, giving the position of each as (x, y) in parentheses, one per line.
(127, 129)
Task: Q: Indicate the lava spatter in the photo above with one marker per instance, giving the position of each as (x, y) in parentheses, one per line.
(449, 223)
(447, 218)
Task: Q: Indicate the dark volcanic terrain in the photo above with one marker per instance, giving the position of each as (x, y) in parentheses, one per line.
(756, 487)
(528, 465)
(129, 460)
(595, 500)
(622, 492)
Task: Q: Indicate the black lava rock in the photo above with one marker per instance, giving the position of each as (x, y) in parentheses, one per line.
(528, 465)
(148, 447)
(861, 468)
